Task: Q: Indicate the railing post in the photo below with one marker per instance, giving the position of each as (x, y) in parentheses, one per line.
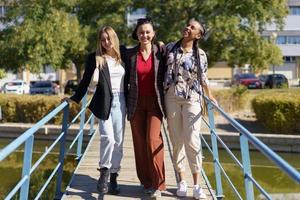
(82, 119)
(246, 167)
(26, 167)
(92, 130)
(215, 151)
(58, 192)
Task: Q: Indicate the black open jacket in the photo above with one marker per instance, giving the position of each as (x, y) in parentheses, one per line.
(102, 99)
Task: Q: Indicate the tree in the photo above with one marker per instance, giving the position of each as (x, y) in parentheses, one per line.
(97, 14)
(41, 33)
(234, 27)
(2, 73)
(57, 32)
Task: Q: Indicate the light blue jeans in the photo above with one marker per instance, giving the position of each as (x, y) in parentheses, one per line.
(112, 135)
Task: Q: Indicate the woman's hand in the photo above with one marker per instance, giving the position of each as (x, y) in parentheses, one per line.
(67, 99)
(161, 46)
(213, 100)
(209, 95)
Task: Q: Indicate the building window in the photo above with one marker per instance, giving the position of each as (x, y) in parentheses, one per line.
(293, 40)
(3, 10)
(294, 10)
(139, 12)
(134, 15)
(281, 40)
(289, 59)
(288, 39)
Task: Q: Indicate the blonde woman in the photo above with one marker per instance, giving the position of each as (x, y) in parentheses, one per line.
(108, 104)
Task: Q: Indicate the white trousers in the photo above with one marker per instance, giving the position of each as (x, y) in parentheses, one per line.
(112, 135)
(184, 121)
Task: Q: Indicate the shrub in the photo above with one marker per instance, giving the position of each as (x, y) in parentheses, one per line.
(31, 109)
(279, 112)
(231, 100)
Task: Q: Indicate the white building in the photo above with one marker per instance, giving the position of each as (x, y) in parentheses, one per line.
(288, 40)
(133, 16)
(2, 12)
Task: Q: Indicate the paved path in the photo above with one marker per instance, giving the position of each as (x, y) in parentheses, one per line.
(84, 182)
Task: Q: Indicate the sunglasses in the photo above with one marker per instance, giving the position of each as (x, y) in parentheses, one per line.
(144, 21)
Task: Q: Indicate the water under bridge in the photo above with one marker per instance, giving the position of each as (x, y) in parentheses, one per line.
(84, 179)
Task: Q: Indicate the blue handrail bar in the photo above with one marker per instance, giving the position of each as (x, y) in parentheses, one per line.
(22, 138)
(28, 138)
(245, 137)
(234, 159)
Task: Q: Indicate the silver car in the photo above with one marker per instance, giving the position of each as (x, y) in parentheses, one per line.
(16, 87)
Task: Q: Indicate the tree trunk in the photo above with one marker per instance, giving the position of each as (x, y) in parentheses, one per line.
(78, 71)
(79, 66)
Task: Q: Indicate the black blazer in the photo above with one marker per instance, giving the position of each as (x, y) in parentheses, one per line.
(102, 98)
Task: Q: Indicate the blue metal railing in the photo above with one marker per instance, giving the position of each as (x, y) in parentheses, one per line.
(245, 165)
(28, 138)
(245, 138)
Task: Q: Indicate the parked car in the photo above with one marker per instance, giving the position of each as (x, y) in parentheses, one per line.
(2, 89)
(276, 81)
(16, 87)
(43, 87)
(249, 80)
(263, 78)
(71, 86)
(56, 85)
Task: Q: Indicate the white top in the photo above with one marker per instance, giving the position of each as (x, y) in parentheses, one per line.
(117, 73)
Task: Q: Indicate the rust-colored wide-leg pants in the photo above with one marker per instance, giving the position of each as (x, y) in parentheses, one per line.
(148, 143)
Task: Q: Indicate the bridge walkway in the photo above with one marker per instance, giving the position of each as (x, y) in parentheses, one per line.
(84, 181)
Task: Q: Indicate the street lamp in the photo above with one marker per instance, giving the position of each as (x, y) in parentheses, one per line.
(273, 37)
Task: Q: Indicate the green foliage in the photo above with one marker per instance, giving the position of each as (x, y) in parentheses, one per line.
(284, 85)
(11, 171)
(31, 109)
(43, 33)
(97, 14)
(2, 73)
(231, 100)
(279, 112)
(234, 27)
(240, 90)
(46, 32)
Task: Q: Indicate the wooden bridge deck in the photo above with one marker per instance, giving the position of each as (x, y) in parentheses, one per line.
(83, 185)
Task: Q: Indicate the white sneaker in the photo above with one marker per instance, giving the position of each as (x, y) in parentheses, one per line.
(155, 194)
(198, 192)
(182, 189)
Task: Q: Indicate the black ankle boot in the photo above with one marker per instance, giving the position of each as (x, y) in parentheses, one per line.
(113, 186)
(102, 184)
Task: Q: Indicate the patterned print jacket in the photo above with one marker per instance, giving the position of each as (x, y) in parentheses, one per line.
(184, 72)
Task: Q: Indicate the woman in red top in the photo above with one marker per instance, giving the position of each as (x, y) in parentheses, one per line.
(144, 71)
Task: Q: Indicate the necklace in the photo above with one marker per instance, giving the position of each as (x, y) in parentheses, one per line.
(186, 50)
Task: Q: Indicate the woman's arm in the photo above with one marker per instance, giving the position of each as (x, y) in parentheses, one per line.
(86, 79)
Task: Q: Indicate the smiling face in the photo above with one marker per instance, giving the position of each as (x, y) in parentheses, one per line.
(145, 33)
(192, 30)
(106, 43)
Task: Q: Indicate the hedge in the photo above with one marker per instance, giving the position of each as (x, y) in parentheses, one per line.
(279, 112)
(30, 109)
